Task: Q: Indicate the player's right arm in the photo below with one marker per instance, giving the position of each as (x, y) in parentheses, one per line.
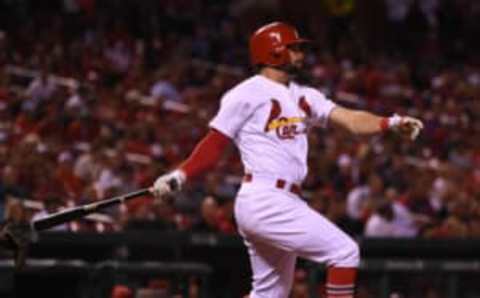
(205, 155)
(232, 115)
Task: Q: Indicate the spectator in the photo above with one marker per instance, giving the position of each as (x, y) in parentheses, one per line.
(16, 212)
(380, 224)
(215, 217)
(406, 223)
(164, 88)
(363, 199)
(9, 188)
(209, 210)
(40, 89)
(457, 223)
(144, 216)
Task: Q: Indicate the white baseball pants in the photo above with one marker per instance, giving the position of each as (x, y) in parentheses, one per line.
(277, 226)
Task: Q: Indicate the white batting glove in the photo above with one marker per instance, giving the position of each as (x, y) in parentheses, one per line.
(405, 125)
(168, 184)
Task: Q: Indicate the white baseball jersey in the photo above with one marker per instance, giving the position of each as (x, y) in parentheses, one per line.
(268, 122)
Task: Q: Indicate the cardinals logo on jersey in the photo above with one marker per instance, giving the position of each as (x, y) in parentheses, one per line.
(287, 127)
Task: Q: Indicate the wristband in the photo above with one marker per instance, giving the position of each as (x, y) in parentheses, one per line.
(384, 124)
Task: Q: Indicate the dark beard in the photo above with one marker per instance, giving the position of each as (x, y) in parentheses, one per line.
(299, 74)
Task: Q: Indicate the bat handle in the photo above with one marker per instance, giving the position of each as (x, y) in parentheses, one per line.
(172, 183)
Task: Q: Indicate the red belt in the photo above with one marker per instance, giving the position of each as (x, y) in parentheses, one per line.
(279, 183)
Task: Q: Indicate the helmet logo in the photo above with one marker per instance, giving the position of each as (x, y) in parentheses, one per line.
(276, 36)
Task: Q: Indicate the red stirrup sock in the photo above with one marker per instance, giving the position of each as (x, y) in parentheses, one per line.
(341, 282)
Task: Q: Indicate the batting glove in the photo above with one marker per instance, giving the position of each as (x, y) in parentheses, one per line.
(405, 125)
(168, 184)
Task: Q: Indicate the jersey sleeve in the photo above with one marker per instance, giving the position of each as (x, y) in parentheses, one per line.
(321, 106)
(232, 115)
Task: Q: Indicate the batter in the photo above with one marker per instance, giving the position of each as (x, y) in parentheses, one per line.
(267, 116)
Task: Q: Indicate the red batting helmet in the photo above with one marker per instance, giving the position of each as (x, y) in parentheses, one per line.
(268, 45)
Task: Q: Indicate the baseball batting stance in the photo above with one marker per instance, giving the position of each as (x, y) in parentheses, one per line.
(267, 117)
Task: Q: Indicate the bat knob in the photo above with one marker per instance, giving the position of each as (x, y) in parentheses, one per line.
(174, 186)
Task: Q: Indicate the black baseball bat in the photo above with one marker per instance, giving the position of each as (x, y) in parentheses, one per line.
(81, 211)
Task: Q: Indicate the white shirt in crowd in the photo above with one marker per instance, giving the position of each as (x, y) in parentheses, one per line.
(404, 221)
(41, 89)
(165, 90)
(378, 226)
(402, 224)
(356, 199)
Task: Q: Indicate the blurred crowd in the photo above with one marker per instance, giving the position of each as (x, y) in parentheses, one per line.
(98, 99)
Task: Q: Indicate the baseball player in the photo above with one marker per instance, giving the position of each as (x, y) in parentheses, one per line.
(267, 117)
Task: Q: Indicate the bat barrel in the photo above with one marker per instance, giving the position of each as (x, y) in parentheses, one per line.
(79, 212)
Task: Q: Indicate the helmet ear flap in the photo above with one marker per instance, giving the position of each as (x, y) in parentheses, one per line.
(280, 54)
(279, 49)
(276, 52)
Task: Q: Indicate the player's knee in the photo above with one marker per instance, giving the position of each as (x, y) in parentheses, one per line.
(353, 256)
(348, 256)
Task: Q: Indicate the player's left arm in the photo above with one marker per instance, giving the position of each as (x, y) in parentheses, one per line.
(359, 122)
(365, 123)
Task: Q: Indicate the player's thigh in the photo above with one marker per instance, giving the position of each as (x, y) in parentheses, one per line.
(324, 242)
(288, 223)
(272, 217)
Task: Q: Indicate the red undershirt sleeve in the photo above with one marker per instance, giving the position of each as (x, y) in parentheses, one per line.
(206, 154)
